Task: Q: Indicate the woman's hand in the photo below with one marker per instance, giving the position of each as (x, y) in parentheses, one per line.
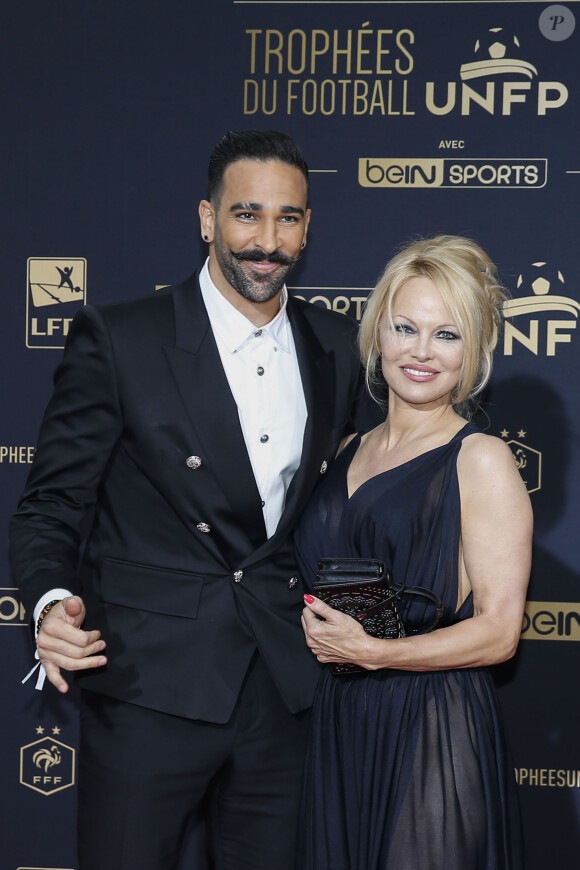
(336, 637)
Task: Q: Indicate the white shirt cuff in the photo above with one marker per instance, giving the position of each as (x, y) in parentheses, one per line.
(51, 595)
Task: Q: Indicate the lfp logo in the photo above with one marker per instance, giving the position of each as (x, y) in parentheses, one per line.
(56, 290)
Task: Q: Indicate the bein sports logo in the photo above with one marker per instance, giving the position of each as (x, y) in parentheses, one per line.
(509, 80)
(551, 620)
(453, 173)
(47, 765)
(547, 285)
(56, 290)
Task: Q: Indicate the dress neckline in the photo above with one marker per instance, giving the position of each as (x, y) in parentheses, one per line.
(357, 439)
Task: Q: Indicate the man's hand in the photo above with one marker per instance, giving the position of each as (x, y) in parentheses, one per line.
(63, 644)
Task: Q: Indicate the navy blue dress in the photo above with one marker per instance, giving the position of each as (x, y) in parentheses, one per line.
(405, 770)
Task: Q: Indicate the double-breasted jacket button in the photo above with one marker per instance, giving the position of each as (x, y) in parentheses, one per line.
(323, 467)
(193, 461)
(203, 527)
(292, 582)
(237, 576)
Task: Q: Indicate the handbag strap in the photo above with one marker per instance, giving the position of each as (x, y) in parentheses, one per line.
(395, 590)
(373, 569)
(433, 598)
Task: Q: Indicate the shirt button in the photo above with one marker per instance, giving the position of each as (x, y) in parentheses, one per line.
(237, 576)
(258, 333)
(292, 582)
(260, 370)
(264, 438)
(203, 527)
(193, 461)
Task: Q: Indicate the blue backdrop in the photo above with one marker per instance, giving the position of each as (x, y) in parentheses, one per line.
(415, 118)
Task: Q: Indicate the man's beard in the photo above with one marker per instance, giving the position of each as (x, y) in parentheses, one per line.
(255, 287)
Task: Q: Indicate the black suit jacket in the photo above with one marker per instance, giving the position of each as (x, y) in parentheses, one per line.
(141, 388)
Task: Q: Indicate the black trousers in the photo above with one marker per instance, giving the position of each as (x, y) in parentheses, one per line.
(143, 775)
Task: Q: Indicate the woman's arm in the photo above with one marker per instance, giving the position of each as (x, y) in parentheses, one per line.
(496, 530)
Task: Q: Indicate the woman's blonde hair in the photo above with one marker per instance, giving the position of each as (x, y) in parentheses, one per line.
(469, 287)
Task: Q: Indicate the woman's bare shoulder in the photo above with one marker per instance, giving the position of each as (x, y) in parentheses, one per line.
(485, 460)
(485, 449)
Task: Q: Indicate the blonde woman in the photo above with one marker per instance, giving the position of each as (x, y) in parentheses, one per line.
(407, 766)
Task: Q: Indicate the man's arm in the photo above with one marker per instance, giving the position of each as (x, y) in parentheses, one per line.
(80, 428)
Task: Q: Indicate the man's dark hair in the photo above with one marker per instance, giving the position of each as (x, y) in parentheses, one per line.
(260, 145)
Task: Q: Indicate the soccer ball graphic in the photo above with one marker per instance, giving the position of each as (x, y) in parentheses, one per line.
(495, 45)
(541, 278)
(496, 54)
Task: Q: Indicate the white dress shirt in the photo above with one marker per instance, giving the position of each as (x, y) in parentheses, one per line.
(262, 370)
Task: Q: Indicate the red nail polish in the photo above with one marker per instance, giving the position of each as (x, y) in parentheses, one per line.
(309, 599)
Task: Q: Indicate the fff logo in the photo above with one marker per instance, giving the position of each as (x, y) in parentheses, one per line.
(528, 460)
(47, 765)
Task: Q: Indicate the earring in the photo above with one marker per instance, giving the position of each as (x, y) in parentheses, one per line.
(206, 238)
(302, 246)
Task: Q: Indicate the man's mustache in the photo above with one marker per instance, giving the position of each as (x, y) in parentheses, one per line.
(259, 256)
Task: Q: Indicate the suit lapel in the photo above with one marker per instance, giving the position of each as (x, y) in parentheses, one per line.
(198, 372)
(317, 373)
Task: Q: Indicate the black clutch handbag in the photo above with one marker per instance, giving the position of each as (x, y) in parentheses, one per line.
(365, 590)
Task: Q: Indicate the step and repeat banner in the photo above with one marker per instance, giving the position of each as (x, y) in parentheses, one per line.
(415, 118)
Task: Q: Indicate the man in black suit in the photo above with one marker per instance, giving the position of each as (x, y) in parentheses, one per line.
(193, 426)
